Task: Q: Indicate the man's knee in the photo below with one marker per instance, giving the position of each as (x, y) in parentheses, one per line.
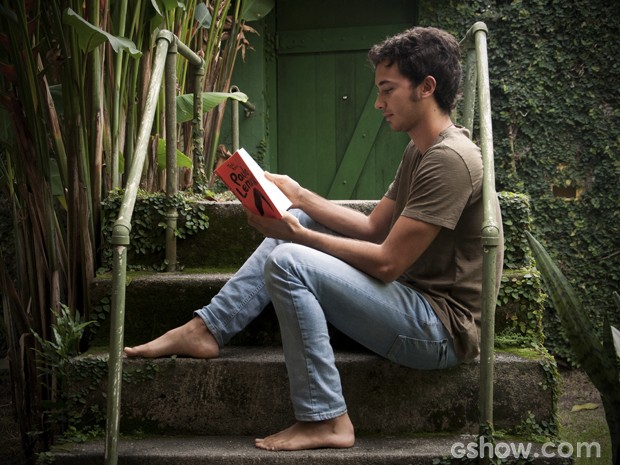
(291, 262)
(281, 259)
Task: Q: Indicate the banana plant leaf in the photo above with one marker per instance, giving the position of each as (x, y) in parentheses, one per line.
(90, 36)
(185, 103)
(202, 16)
(183, 161)
(161, 6)
(253, 10)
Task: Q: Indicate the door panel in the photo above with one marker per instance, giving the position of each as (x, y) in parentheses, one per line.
(329, 137)
(358, 150)
(307, 124)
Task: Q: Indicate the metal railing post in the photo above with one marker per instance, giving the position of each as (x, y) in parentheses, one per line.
(469, 90)
(165, 60)
(490, 228)
(475, 43)
(249, 109)
(120, 240)
(172, 181)
(234, 116)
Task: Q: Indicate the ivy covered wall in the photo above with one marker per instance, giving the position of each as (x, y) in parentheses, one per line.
(555, 90)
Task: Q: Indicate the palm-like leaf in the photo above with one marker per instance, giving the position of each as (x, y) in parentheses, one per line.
(183, 161)
(54, 149)
(210, 100)
(91, 36)
(253, 10)
(578, 326)
(598, 360)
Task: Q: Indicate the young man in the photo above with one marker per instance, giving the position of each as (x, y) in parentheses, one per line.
(404, 281)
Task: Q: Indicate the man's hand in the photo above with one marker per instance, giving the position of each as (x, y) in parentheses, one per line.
(287, 228)
(288, 186)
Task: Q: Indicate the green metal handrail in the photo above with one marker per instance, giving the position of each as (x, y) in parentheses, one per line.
(249, 109)
(168, 45)
(477, 72)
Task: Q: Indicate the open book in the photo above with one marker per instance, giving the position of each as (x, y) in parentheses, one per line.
(247, 181)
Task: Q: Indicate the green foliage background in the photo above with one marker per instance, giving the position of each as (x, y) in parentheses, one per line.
(555, 92)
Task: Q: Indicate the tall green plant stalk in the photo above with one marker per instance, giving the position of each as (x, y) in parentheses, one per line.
(116, 108)
(225, 40)
(98, 121)
(39, 281)
(137, 71)
(55, 159)
(77, 75)
(48, 185)
(218, 40)
(598, 359)
(217, 56)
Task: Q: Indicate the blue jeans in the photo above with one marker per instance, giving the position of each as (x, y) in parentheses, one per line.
(308, 289)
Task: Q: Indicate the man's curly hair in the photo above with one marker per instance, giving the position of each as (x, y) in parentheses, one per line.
(424, 51)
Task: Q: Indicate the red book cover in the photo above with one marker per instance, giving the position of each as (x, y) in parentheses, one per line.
(246, 179)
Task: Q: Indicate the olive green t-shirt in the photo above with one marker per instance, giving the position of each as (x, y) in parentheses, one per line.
(443, 186)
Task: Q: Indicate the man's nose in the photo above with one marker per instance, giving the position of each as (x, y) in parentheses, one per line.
(379, 103)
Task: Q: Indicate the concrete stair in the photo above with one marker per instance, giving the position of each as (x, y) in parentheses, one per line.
(239, 450)
(245, 391)
(209, 411)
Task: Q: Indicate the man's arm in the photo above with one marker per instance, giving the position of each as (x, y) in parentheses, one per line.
(404, 244)
(344, 220)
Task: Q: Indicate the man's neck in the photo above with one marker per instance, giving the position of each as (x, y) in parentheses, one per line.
(425, 133)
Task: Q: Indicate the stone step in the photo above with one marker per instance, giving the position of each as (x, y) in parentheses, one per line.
(245, 392)
(227, 242)
(240, 450)
(157, 302)
(154, 302)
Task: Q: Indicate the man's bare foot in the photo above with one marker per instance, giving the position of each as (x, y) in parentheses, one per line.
(193, 339)
(335, 433)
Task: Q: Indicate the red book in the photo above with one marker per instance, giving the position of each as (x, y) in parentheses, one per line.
(247, 181)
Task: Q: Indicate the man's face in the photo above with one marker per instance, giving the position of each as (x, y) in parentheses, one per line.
(398, 99)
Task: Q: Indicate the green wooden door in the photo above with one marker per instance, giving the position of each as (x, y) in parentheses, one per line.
(329, 136)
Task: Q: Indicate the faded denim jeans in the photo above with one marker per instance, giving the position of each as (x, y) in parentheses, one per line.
(308, 289)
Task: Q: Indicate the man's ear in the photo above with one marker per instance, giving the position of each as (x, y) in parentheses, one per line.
(429, 84)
